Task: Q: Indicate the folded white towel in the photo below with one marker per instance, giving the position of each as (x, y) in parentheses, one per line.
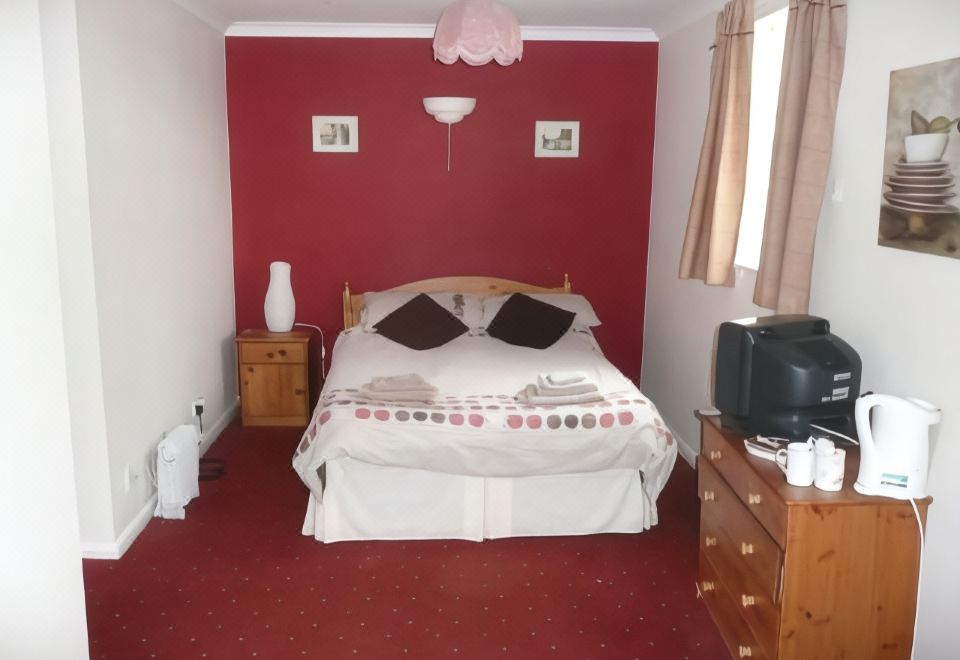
(560, 378)
(412, 382)
(531, 395)
(386, 396)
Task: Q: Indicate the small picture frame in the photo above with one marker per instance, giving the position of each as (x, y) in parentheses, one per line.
(557, 139)
(336, 134)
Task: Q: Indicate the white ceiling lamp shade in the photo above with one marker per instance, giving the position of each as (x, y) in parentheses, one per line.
(477, 31)
(449, 110)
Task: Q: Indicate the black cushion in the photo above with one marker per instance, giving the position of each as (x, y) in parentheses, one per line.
(420, 324)
(526, 321)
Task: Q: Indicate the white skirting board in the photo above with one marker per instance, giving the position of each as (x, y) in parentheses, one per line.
(145, 515)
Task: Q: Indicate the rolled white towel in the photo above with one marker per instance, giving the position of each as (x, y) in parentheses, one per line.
(386, 396)
(567, 390)
(560, 378)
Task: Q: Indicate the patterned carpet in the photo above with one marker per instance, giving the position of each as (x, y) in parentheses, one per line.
(236, 580)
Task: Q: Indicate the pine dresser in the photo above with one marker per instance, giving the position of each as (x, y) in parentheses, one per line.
(799, 573)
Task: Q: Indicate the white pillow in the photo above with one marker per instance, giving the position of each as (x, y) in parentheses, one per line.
(572, 302)
(377, 305)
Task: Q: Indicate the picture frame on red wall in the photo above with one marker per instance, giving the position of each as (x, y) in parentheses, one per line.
(336, 133)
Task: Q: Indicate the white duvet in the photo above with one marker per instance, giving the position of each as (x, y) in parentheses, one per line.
(476, 427)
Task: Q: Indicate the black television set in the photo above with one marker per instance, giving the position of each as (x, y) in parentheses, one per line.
(777, 375)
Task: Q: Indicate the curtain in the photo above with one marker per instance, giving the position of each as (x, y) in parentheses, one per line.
(710, 243)
(809, 86)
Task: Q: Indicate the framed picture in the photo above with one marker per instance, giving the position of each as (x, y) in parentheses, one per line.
(557, 139)
(336, 133)
(918, 208)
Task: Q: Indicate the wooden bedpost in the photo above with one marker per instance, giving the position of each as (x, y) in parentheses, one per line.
(566, 283)
(347, 307)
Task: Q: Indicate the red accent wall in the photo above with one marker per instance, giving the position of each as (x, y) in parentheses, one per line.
(392, 213)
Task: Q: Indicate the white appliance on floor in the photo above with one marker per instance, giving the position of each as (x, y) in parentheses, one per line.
(894, 445)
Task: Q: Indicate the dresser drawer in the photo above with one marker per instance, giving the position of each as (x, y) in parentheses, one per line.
(761, 500)
(748, 544)
(726, 612)
(272, 352)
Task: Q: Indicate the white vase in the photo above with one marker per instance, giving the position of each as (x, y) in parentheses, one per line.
(279, 307)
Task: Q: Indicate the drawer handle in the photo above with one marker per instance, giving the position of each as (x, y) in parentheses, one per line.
(748, 600)
(709, 541)
(298, 392)
(709, 496)
(746, 548)
(250, 369)
(716, 455)
(706, 586)
(282, 353)
(270, 355)
(746, 652)
(753, 498)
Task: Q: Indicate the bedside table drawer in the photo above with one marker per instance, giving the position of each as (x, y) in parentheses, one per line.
(272, 353)
(759, 498)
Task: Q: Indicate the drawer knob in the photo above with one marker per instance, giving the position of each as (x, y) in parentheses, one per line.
(282, 353)
(746, 652)
(298, 392)
(709, 496)
(707, 586)
(747, 601)
(270, 355)
(250, 369)
(746, 548)
(709, 541)
(716, 455)
(753, 498)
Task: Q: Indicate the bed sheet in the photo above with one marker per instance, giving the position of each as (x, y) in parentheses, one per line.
(476, 427)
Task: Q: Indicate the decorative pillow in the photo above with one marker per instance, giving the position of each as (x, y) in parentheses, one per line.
(526, 321)
(420, 324)
(467, 307)
(585, 316)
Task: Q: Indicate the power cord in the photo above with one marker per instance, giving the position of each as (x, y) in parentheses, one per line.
(323, 348)
(916, 614)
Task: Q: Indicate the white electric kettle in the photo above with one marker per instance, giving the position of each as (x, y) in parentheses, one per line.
(894, 445)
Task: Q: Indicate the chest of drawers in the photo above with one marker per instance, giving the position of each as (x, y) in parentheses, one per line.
(799, 573)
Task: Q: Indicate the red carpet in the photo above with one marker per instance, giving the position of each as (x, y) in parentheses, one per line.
(236, 579)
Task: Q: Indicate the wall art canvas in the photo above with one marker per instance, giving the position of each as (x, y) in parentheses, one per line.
(336, 133)
(918, 207)
(557, 139)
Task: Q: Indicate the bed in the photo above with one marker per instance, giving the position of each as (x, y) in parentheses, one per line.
(475, 463)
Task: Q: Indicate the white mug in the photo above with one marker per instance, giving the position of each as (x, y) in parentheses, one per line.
(829, 473)
(797, 463)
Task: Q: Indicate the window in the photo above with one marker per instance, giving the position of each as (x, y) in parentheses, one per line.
(768, 38)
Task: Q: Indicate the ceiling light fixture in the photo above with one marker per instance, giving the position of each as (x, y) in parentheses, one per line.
(449, 110)
(477, 31)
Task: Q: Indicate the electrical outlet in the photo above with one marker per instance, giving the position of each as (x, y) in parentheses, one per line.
(198, 406)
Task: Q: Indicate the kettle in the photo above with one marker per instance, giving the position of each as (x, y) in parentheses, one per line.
(894, 445)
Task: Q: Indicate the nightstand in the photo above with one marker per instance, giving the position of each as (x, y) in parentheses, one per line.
(274, 377)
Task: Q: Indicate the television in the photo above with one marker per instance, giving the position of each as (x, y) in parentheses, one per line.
(777, 375)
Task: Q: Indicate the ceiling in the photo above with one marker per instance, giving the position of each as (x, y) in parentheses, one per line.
(663, 16)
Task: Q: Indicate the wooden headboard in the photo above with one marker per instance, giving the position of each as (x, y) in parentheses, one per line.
(484, 286)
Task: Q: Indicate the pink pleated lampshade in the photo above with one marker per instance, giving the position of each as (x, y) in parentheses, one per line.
(477, 31)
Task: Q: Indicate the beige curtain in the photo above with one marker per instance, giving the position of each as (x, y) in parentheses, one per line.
(809, 86)
(710, 243)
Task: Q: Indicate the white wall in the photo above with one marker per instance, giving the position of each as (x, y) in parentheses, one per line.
(41, 582)
(88, 422)
(682, 315)
(154, 118)
(900, 310)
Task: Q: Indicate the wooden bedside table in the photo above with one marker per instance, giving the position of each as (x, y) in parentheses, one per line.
(274, 377)
(799, 573)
